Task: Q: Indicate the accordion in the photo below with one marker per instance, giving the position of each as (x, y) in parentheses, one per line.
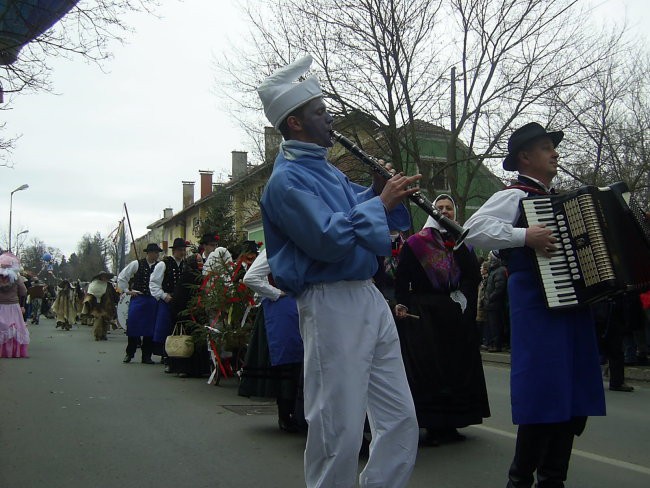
(603, 244)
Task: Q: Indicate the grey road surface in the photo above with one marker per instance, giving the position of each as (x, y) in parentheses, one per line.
(72, 416)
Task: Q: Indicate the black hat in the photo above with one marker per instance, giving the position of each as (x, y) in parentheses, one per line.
(102, 273)
(249, 247)
(209, 238)
(151, 247)
(180, 242)
(524, 135)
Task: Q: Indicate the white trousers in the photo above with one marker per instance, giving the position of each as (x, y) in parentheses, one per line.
(353, 366)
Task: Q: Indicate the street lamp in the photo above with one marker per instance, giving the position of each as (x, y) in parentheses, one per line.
(18, 243)
(11, 202)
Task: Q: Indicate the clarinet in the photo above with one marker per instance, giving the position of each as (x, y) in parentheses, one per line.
(457, 232)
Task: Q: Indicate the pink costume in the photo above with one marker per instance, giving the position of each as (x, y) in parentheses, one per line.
(14, 336)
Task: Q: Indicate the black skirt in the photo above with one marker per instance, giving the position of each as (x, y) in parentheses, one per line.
(259, 378)
(443, 364)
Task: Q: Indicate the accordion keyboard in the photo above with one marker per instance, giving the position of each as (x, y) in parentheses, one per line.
(560, 272)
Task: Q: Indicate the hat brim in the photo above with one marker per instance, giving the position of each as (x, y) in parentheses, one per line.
(510, 162)
(152, 250)
(103, 273)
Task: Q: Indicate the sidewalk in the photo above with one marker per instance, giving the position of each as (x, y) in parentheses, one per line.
(632, 373)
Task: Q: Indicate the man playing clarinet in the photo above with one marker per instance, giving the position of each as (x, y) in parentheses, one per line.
(323, 236)
(556, 380)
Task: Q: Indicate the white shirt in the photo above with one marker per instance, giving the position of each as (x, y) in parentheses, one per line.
(156, 279)
(127, 273)
(214, 262)
(257, 278)
(492, 226)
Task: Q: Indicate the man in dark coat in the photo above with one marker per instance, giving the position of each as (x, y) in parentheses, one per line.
(495, 303)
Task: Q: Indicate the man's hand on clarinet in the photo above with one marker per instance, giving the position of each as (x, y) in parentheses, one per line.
(393, 191)
(541, 240)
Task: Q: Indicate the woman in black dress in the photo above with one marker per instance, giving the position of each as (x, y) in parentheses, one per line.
(441, 350)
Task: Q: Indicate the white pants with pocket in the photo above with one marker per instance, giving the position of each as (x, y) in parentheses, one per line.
(353, 366)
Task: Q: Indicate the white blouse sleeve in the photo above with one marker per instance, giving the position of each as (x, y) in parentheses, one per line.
(256, 278)
(126, 274)
(156, 279)
(492, 226)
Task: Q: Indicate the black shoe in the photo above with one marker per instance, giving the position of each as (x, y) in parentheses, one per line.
(431, 439)
(288, 426)
(147, 361)
(623, 387)
(127, 359)
(168, 369)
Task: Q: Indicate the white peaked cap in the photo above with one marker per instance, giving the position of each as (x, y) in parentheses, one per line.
(281, 93)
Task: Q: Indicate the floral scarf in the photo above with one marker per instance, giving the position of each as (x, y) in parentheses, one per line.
(436, 256)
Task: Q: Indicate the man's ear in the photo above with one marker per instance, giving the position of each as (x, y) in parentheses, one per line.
(294, 123)
(522, 159)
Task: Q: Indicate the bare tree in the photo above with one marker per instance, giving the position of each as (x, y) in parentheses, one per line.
(608, 121)
(512, 56)
(375, 57)
(390, 62)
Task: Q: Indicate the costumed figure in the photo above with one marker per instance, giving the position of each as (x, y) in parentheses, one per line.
(14, 336)
(143, 307)
(555, 376)
(79, 297)
(163, 280)
(36, 293)
(100, 302)
(440, 348)
(323, 235)
(274, 358)
(63, 306)
(198, 364)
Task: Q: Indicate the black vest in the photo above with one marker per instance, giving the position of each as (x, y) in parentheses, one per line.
(141, 278)
(172, 273)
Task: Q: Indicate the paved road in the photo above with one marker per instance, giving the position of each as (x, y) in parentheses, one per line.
(72, 415)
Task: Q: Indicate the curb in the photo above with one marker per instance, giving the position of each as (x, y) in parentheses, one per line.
(633, 373)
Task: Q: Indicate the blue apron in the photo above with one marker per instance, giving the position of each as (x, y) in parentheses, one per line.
(163, 324)
(282, 333)
(555, 372)
(142, 316)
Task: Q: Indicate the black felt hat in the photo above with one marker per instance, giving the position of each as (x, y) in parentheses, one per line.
(249, 247)
(179, 242)
(522, 136)
(151, 247)
(102, 273)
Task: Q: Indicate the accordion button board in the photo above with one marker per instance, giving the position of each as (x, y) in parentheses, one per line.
(602, 247)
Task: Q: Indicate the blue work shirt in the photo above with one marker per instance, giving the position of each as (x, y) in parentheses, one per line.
(319, 227)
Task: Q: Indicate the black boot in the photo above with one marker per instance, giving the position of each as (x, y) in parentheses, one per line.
(554, 465)
(531, 441)
(127, 359)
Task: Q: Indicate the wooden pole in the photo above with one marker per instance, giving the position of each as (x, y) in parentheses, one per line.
(135, 249)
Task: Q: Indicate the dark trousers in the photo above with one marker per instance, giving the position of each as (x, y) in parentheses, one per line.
(495, 323)
(612, 349)
(146, 345)
(545, 448)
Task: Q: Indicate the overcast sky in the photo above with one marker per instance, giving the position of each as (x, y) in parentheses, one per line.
(133, 132)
